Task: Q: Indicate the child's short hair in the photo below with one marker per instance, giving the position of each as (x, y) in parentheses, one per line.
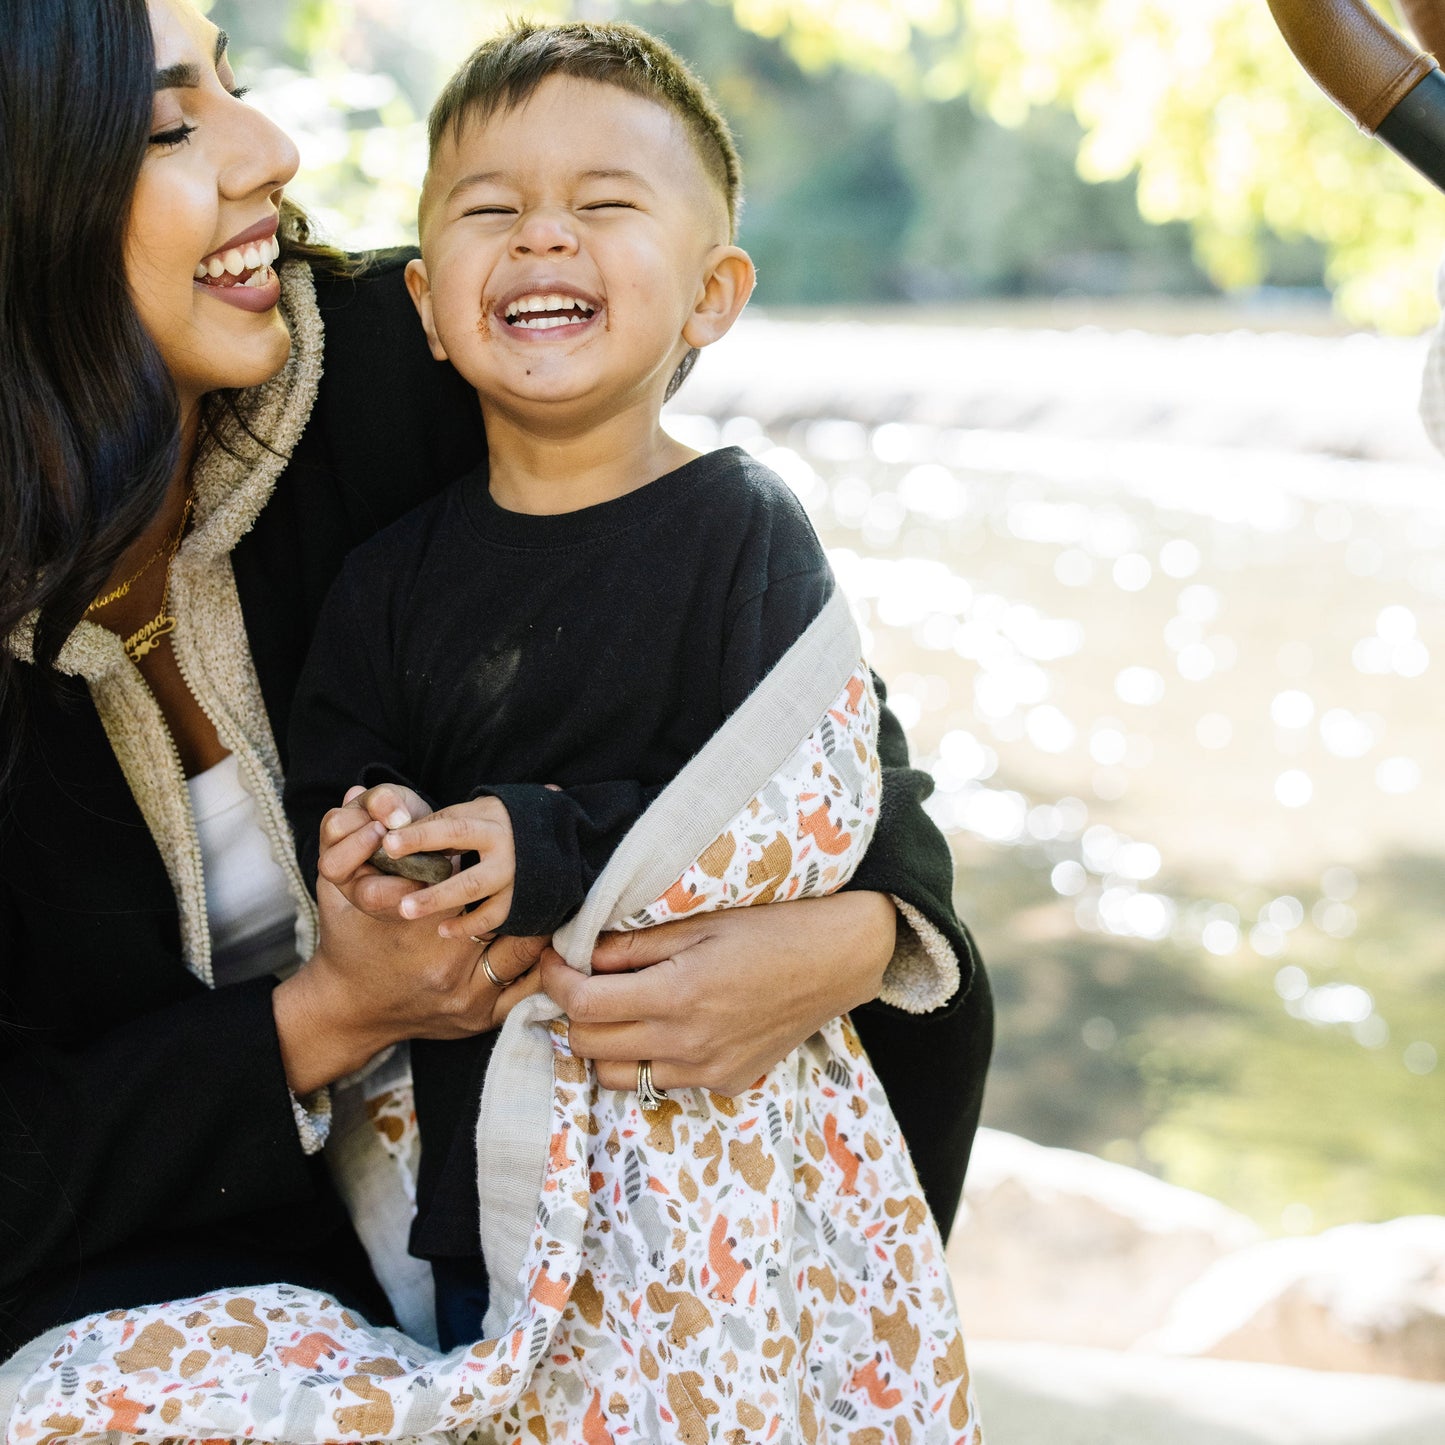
(503, 72)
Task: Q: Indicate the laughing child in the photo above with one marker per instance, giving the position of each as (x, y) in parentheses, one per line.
(558, 639)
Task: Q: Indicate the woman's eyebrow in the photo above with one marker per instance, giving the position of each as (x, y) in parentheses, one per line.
(187, 75)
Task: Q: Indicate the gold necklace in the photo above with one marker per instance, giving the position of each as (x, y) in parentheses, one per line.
(116, 593)
(148, 637)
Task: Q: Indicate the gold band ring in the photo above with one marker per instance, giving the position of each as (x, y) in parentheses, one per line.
(487, 969)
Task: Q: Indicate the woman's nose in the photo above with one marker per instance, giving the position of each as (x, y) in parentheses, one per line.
(544, 232)
(262, 156)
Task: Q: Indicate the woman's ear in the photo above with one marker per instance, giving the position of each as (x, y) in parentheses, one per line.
(420, 289)
(728, 280)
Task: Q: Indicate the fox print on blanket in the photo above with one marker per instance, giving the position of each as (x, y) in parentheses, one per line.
(715, 1269)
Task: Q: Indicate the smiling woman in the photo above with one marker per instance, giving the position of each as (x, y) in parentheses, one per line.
(210, 186)
(180, 480)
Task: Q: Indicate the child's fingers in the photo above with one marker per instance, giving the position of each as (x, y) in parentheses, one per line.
(484, 878)
(452, 830)
(482, 920)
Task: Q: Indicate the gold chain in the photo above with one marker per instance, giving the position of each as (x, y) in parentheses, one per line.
(139, 643)
(116, 593)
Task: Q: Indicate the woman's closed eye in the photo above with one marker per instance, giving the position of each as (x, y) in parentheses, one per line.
(178, 134)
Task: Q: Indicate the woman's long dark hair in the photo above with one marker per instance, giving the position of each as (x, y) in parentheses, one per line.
(89, 421)
(89, 429)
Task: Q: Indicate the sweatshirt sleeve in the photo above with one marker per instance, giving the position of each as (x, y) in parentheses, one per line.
(342, 729)
(181, 1117)
(563, 839)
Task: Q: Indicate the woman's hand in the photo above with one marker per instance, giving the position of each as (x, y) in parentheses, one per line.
(714, 1001)
(350, 836)
(375, 981)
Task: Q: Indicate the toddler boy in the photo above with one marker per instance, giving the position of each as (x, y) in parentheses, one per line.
(586, 610)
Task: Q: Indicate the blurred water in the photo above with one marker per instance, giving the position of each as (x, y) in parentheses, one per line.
(1165, 616)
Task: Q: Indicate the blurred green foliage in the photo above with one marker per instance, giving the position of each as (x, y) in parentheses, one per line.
(930, 149)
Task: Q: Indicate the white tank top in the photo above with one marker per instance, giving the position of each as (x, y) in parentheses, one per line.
(251, 912)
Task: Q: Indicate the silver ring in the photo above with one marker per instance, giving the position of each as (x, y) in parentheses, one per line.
(487, 969)
(648, 1098)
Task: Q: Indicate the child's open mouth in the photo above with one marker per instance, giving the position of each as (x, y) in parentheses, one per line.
(547, 311)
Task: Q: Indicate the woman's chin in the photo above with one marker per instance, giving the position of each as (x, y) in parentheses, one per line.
(233, 357)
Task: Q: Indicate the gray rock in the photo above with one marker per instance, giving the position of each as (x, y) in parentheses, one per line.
(419, 867)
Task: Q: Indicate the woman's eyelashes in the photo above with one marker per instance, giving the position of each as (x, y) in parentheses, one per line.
(179, 134)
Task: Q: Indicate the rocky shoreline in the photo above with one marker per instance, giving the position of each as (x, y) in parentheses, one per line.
(1102, 1304)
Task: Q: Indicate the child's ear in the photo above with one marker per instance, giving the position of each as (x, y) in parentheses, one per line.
(727, 282)
(420, 289)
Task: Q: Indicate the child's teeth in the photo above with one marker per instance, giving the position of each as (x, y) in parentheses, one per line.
(215, 267)
(201, 271)
(234, 262)
(252, 257)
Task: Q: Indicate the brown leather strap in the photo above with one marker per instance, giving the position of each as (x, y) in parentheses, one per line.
(1427, 20)
(1352, 55)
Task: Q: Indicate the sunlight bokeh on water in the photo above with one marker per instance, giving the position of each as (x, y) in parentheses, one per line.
(1164, 616)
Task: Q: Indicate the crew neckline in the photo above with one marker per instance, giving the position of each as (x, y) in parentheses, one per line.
(497, 524)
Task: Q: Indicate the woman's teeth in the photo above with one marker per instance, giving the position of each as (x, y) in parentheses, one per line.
(542, 312)
(241, 265)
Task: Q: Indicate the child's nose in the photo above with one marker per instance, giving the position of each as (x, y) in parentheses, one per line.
(544, 233)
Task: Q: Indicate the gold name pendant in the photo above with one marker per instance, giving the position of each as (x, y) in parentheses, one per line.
(138, 644)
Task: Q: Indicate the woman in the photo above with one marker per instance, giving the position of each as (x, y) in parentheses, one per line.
(179, 485)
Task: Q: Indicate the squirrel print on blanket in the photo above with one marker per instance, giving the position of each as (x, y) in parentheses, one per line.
(715, 1270)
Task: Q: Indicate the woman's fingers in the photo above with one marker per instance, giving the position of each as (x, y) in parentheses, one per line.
(523, 987)
(393, 805)
(604, 999)
(641, 948)
(380, 894)
(511, 957)
(740, 990)
(624, 1076)
(348, 839)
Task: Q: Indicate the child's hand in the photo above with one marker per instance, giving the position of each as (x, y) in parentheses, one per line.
(479, 826)
(351, 834)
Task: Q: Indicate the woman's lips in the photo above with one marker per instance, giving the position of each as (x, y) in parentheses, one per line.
(242, 275)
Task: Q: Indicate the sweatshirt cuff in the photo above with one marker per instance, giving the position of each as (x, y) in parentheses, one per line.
(548, 887)
(924, 972)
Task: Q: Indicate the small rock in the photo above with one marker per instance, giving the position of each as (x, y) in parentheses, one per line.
(419, 867)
